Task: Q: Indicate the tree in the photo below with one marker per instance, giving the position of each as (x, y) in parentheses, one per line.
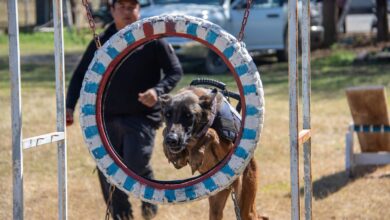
(330, 18)
(73, 8)
(383, 24)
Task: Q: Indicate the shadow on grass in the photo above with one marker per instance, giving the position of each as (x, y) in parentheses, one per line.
(328, 185)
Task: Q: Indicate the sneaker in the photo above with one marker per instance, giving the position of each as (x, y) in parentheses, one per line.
(149, 211)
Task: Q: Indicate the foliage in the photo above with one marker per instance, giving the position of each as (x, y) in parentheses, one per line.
(43, 42)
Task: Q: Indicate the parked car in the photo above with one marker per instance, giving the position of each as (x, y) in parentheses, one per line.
(361, 6)
(266, 29)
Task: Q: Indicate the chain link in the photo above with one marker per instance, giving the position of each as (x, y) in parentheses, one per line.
(92, 23)
(235, 203)
(109, 201)
(245, 19)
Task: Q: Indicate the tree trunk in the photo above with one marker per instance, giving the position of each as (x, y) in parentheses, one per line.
(73, 8)
(330, 17)
(383, 24)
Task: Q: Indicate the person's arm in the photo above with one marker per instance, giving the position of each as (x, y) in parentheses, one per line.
(76, 81)
(171, 67)
(173, 72)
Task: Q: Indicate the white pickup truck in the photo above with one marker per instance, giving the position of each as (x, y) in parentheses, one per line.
(265, 31)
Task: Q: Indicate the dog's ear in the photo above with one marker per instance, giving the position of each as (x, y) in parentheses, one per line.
(164, 100)
(206, 101)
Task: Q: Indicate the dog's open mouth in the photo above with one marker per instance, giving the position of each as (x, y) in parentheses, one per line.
(177, 155)
(176, 149)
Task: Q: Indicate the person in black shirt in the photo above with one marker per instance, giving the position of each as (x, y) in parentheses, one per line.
(130, 109)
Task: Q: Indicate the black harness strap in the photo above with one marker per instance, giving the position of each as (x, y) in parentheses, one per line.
(211, 119)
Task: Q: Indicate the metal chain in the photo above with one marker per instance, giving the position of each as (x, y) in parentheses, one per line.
(109, 201)
(236, 207)
(245, 19)
(92, 23)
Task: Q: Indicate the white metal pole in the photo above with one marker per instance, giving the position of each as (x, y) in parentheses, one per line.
(293, 106)
(60, 94)
(306, 93)
(16, 108)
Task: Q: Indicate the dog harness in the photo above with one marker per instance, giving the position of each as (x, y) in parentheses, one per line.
(227, 121)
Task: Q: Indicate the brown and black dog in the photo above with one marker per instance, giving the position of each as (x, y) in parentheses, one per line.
(189, 139)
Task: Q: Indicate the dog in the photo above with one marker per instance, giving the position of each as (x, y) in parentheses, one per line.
(190, 138)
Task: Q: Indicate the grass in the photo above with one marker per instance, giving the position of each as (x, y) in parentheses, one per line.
(335, 196)
(43, 42)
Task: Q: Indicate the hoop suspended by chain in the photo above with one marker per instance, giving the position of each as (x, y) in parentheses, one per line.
(96, 79)
(96, 38)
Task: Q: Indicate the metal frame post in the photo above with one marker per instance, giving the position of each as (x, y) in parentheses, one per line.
(306, 94)
(18, 144)
(60, 94)
(293, 106)
(349, 155)
(304, 136)
(16, 108)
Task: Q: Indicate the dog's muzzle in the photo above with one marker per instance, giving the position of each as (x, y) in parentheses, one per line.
(174, 143)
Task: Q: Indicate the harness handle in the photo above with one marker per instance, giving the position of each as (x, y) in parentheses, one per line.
(209, 82)
(220, 85)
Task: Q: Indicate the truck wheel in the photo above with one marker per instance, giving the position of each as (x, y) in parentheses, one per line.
(282, 55)
(214, 64)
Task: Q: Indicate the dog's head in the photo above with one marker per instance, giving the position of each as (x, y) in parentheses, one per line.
(185, 115)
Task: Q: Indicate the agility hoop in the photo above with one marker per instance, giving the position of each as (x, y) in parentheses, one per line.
(245, 73)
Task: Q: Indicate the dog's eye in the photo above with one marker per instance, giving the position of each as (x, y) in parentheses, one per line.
(168, 114)
(188, 115)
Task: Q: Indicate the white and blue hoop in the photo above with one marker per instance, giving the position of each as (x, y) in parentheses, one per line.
(248, 82)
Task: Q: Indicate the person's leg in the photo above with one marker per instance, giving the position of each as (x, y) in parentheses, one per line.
(120, 205)
(104, 185)
(138, 145)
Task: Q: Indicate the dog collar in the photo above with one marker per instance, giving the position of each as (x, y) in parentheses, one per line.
(211, 119)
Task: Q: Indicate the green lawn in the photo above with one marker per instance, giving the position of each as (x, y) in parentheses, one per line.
(43, 43)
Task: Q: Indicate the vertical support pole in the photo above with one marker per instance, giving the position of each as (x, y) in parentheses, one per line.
(17, 150)
(349, 156)
(60, 94)
(293, 106)
(306, 93)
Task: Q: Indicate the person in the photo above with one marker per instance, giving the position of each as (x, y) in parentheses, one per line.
(130, 109)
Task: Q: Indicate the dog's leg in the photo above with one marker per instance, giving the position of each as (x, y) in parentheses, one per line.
(247, 197)
(217, 204)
